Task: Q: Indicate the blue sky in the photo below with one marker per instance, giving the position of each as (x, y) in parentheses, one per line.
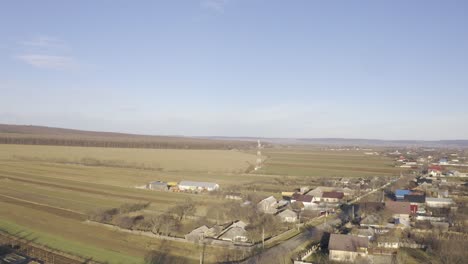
(354, 69)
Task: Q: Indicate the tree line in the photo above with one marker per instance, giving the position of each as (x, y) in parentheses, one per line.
(123, 142)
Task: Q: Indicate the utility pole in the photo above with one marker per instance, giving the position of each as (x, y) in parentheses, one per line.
(202, 248)
(258, 165)
(298, 225)
(263, 237)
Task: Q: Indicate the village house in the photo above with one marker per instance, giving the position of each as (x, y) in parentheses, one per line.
(400, 194)
(198, 186)
(434, 170)
(332, 197)
(400, 211)
(197, 234)
(347, 248)
(318, 191)
(268, 205)
(417, 202)
(235, 232)
(306, 200)
(288, 216)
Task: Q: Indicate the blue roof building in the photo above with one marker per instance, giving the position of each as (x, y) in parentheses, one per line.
(400, 194)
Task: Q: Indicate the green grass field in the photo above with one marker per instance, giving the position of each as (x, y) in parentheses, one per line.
(46, 192)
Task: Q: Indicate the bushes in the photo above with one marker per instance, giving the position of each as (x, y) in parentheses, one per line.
(104, 215)
(128, 222)
(115, 214)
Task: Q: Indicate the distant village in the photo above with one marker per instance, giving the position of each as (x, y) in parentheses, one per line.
(371, 218)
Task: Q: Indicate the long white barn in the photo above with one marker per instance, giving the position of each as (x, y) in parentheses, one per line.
(198, 186)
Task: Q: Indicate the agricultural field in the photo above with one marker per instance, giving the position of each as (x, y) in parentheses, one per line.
(171, 160)
(315, 162)
(48, 192)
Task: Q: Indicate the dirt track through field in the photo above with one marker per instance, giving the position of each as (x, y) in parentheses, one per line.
(42, 207)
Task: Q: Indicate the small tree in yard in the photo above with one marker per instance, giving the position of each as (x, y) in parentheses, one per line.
(164, 224)
(185, 209)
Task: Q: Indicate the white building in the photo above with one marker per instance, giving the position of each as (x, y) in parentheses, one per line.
(198, 186)
(439, 202)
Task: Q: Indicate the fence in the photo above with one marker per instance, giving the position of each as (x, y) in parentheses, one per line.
(307, 253)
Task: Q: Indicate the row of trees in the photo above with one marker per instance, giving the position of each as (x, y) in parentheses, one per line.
(123, 142)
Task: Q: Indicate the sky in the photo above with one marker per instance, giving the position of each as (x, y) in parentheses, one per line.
(318, 69)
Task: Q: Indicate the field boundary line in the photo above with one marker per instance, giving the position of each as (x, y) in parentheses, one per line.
(43, 205)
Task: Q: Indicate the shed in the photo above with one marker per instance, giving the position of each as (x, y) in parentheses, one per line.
(157, 185)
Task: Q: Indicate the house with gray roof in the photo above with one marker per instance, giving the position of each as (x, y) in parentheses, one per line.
(288, 216)
(235, 232)
(268, 205)
(347, 248)
(197, 234)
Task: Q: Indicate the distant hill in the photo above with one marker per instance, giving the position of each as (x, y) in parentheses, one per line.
(41, 135)
(355, 142)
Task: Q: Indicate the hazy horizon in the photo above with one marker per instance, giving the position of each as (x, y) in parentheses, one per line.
(251, 137)
(393, 70)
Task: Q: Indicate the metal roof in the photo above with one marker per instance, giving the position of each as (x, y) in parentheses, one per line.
(402, 193)
(439, 200)
(198, 184)
(347, 242)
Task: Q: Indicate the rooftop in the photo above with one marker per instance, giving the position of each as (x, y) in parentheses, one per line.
(302, 198)
(199, 184)
(287, 213)
(415, 198)
(439, 200)
(398, 207)
(347, 242)
(402, 193)
(337, 195)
